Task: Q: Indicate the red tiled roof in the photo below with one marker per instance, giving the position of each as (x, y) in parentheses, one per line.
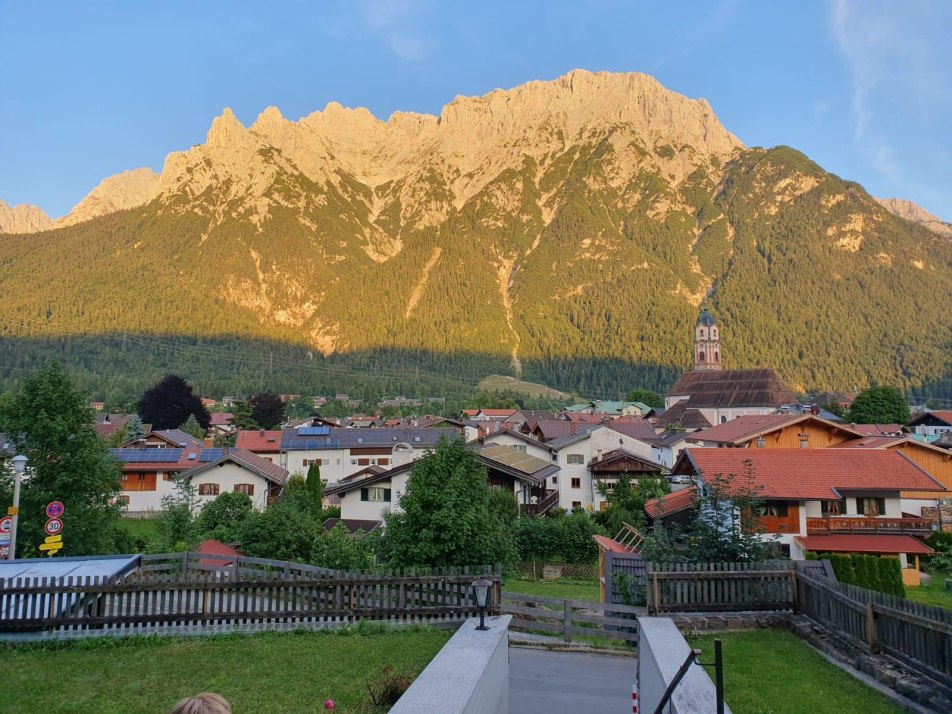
(264, 467)
(864, 544)
(671, 503)
(810, 474)
(607, 544)
(497, 412)
(259, 441)
(876, 429)
(216, 547)
(221, 418)
(636, 429)
(744, 428)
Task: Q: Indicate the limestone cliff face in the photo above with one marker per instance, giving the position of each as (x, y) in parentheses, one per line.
(917, 214)
(23, 219)
(126, 190)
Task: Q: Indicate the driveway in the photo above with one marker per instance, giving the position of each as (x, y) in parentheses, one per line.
(547, 682)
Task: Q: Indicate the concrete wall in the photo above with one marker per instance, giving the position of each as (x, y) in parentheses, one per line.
(661, 652)
(470, 675)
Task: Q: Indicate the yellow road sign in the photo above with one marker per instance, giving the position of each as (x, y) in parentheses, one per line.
(52, 547)
(13, 510)
(54, 539)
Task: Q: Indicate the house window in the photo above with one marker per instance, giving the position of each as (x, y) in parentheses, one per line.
(519, 447)
(208, 489)
(383, 462)
(576, 483)
(246, 488)
(167, 476)
(555, 480)
(375, 494)
(871, 507)
(761, 442)
(833, 508)
(576, 504)
(306, 462)
(777, 509)
(574, 459)
(804, 440)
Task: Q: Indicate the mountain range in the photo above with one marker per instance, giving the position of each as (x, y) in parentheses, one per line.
(564, 231)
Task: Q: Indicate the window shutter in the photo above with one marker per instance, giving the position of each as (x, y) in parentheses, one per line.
(386, 495)
(364, 494)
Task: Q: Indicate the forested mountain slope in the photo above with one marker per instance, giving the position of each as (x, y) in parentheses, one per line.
(564, 231)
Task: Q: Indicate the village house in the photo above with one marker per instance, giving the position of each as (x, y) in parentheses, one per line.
(936, 461)
(367, 495)
(340, 452)
(577, 453)
(823, 500)
(149, 474)
(931, 424)
(774, 431)
(165, 439)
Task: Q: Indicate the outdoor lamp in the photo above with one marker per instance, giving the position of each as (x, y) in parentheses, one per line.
(19, 464)
(481, 588)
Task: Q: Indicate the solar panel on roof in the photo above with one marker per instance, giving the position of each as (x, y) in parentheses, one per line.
(314, 431)
(211, 454)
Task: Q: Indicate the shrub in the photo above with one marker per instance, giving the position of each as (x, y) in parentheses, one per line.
(880, 573)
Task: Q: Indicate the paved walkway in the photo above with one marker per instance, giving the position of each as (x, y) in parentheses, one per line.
(547, 682)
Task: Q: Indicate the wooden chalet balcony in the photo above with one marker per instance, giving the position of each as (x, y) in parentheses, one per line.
(861, 524)
(541, 508)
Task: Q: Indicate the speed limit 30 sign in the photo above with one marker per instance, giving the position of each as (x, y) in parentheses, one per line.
(54, 526)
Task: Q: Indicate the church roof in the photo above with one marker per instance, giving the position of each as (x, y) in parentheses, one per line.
(705, 318)
(731, 388)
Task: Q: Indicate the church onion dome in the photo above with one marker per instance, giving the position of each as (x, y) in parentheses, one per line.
(706, 318)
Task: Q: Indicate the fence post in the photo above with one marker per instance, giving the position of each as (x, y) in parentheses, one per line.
(793, 590)
(870, 628)
(567, 621)
(608, 580)
(656, 595)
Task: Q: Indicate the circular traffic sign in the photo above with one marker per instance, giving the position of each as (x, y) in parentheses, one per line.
(55, 509)
(6, 525)
(53, 526)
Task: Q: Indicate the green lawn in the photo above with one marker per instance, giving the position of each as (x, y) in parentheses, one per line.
(932, 594)
(563, 589)
(775, 672)
(273, 672)
(139, 526)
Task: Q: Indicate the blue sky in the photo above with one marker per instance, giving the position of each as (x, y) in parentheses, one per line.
(863, 87)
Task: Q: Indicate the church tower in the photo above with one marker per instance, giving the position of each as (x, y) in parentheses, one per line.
(707, 345)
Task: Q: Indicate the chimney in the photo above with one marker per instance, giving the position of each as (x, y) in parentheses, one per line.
(209, 442)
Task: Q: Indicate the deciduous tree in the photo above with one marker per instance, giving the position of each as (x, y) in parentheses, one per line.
(169, 403)
(49, 422)
(267, 409)
(445, 518)
(879, 405)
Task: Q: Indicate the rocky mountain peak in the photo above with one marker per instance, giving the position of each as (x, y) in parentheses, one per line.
(23, 219)
(226, 130)
(917, 214)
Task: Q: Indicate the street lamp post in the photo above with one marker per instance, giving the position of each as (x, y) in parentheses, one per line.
(481, 588)
(19, 463)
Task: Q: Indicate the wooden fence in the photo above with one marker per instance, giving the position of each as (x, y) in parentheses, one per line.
(707, 587)
(568, 618)
(227, 599)
(919, 635)
(625, 578)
